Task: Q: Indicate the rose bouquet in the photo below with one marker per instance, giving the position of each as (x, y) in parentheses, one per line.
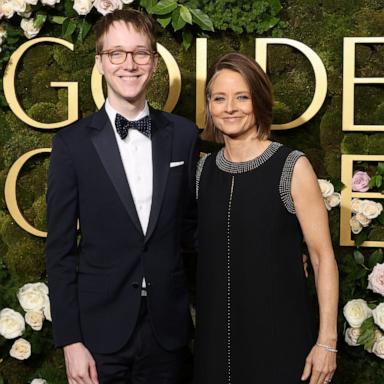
(330, 197)
(34, 300)
(366, 318)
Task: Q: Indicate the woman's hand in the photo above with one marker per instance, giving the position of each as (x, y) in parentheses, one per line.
(320, 365)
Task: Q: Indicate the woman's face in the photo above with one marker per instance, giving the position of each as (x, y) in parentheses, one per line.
(230, 105)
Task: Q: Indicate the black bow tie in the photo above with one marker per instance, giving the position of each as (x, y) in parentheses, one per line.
(122, 125)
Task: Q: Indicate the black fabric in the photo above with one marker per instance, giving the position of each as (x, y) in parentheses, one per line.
(271, 329)
(95, 284)
(142, 360)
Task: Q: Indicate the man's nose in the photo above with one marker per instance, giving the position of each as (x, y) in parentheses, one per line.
(129, 63)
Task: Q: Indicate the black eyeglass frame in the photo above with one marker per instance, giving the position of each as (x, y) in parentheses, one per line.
(133, 53)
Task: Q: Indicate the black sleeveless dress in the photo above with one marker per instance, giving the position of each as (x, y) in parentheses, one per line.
(254, 324)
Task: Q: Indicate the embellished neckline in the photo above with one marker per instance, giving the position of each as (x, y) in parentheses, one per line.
(230, 167)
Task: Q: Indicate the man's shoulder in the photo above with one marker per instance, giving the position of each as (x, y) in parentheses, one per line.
(177, 120)
(78, 128)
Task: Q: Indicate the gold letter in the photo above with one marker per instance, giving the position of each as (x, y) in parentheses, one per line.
(10, 192)
(318, 68)
(174, 81)
(347, 195)
(10, 91)
(201, 76)
(349, 81)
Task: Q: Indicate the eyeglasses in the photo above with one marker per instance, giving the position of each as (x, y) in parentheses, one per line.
(118, 56)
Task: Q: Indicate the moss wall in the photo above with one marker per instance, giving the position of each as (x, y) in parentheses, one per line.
(321, 25)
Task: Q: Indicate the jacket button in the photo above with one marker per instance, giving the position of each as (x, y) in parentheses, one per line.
(135, 285)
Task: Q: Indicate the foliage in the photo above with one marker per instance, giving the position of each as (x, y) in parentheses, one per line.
(241, 16)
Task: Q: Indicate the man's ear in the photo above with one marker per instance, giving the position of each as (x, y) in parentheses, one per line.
(155, 62)
(99, 64)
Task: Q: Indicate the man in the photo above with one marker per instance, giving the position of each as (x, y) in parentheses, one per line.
(119, 294)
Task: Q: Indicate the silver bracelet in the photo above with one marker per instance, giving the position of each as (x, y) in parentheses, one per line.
(327, 347)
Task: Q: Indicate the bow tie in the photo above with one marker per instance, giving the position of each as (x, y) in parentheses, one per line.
(122, 125)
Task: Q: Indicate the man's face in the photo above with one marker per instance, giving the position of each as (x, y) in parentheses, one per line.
(126, 82)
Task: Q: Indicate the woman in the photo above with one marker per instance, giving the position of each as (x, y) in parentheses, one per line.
(257, 200)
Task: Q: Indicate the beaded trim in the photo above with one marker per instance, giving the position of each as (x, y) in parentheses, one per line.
(246, 166)
(229, 372)
(286, 180)
(199, 169)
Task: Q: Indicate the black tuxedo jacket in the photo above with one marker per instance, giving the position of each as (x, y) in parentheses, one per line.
(95, 279)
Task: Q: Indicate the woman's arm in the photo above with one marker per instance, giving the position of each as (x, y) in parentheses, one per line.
(313, 218)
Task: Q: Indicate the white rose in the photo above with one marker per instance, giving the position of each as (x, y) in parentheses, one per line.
(371, 209)
(352, 335)
(11, 323)
(27, 13)
(326, 187)
(333, 200)
(107, 6)
(362, 219)
(356, 311)
(35, 319)
(327, 204)
(7, 9)
(32, 2)
(378, 348)
(356, 227)
(32, 296)
(30, 31)
(378, 315)
(50, 3)
(18, 5)
(21, 349)
(83, 7)
(127, 1)
(47, 309)
(356, 205)
(39, 381)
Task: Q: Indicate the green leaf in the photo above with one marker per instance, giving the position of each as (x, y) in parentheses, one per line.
(177, 21)
(69, 11)
(379, 181)
(58, 19)
(375, 258)
(148, 5)
(358, 256)
(164, 6)
(380, 218)
(39, 20)
(380, 168)
(13, 31)
(69, 26)
(367, 332)
(275, 6)
(84, 28)
(372, 182)
(164, 20)
(12, 39)
(187, 38)
(360, 238)
(186, 14)
(202, 20)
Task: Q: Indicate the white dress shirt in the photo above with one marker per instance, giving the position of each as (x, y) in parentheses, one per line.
(136, 155)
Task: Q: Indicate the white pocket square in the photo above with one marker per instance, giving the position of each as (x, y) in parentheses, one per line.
(175, 164)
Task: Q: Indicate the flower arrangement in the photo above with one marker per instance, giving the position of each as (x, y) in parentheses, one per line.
(27, 17)
(34, 300)
(330, 197)
(364, 211)
(365, 317)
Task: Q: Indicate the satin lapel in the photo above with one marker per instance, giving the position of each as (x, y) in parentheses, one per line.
(104, 141)
(161, 158)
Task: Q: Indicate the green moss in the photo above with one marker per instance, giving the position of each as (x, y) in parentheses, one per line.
(332, 161)
(376, 144)
(45, 112)
(355, 143)
(330, 126)
(376, 234)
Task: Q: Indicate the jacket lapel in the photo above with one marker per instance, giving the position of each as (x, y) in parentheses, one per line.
(161, 157)
(104, 140)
